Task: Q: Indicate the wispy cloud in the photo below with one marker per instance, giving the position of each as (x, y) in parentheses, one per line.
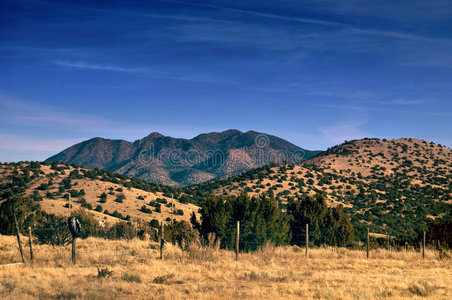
(262, 14)
(319, 22)
(55, 120)
(29, 113)
(406, 102)
(194, 78)
(82, 65)
(388, 110)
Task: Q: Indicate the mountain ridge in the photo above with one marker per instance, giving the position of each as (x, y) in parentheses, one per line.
(179, 162)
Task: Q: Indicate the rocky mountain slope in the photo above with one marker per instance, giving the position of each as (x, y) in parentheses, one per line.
(178, 162)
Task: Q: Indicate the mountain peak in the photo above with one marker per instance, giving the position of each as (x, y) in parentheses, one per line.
(215, 137)
(154, 135)
(231, 131)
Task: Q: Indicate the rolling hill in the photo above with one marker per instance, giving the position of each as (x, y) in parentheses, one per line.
(180, 162)
(391, 185)
(109, 197)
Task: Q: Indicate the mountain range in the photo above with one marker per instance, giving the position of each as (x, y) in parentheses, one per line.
(181, 162)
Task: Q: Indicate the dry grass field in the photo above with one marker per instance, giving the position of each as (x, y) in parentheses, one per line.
(207, 273)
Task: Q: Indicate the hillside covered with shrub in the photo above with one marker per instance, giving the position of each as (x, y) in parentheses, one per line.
(398, 187)
(60, 188)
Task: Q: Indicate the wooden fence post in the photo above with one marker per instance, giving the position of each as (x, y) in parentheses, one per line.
(423, 246)
(162, 242)
(368, 240)
(74, 257)
(30, 243)
(307, 239)
(237, 241)
(18, 238)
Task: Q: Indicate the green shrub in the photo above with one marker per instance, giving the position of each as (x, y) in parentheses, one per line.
(181, 233)
(87, 206)
(104, 273)
(103, 198)
(154, 223)
(162, 200)
(122, 230)
(145, 210)
(52, 230)
(120, 198)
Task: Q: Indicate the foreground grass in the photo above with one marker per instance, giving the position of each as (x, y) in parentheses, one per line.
(131, 269)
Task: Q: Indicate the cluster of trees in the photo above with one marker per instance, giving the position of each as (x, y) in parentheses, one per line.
(327, 225)
(261, 221)
(440, 230)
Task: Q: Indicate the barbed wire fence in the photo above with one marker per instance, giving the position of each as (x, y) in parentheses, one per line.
(60, 250)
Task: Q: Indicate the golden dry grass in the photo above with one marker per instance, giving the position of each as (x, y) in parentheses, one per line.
(272, 273)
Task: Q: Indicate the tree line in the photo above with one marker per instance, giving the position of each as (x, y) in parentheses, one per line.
(262, 221)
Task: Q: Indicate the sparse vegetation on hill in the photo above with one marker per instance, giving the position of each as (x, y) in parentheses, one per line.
(109, 197)
(392, 186)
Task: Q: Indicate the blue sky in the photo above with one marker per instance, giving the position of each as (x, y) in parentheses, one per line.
(313, 72)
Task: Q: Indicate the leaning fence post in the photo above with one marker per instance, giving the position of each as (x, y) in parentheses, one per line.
(237, 241)
(423, 246)
(18, 238)
(368, 239)
(30, 243)
(307, 239)
(162, 241)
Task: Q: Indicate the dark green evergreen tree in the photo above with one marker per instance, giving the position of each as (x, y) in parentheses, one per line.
(261, 221)
(327, 225)
(23, 208)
